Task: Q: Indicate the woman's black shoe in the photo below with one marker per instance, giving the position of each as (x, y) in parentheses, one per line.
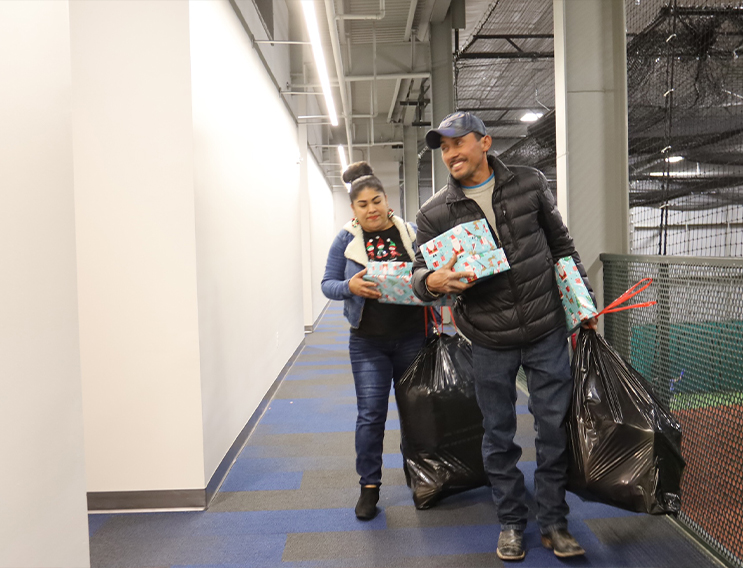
(366, 507)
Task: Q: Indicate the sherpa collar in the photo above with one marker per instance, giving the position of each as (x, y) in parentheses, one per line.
(357, 252)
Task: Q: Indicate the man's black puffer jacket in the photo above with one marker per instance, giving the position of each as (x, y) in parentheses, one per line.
(519, 306)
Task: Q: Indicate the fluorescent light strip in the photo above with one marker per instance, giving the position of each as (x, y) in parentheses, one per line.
(342, 155)
(344, 163)
(531, 116)
(310, 19)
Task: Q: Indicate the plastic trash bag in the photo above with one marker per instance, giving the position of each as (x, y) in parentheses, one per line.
(624, 444)
(440, 422)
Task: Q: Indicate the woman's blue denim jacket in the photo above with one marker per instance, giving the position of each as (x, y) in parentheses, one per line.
(347, 257)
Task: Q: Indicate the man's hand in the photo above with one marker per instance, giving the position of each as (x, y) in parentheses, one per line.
(363, 288)
(444, 281)
(592, 323)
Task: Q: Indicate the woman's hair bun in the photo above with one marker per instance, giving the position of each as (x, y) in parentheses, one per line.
(357, 170)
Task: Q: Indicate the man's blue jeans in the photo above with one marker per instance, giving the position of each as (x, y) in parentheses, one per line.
(547, 367)
(376, 363)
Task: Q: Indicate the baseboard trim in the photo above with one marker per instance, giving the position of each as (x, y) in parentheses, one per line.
(165, 499)
(229, 459)
(311, 328)
(190, 498)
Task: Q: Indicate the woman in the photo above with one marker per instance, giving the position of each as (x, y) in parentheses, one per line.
(385, 338)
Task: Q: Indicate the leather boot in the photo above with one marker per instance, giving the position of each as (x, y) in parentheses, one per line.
(562, 543)
(511, 545)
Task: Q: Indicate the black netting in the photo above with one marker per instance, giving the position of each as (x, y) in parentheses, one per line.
(685, 111)
(689, 346)
(685, 114)
(501, 90)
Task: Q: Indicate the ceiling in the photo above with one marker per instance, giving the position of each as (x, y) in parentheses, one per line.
(504, 68)
(499, 78)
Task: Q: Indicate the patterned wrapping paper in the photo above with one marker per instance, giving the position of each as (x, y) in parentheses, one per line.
(473, 243)
(573, 292)
(394, 281)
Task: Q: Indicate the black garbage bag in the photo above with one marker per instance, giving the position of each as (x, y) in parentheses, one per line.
(625, 446)
(440, 422)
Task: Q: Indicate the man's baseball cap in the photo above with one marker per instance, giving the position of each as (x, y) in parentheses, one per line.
(455, 125)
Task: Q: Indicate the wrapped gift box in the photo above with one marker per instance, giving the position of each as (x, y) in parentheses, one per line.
(474, 247)
(394, 281)
(573, 292)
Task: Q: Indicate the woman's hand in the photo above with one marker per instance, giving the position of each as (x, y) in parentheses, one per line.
(363, 288)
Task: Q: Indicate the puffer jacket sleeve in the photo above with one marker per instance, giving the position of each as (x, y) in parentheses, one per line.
(334, 282)
(425, 232)
(558, 238)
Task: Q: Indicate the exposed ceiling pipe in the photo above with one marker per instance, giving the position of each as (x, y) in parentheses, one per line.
(308, 116)
(373, 101)
(389, 76)
(387, 143)
(377, 16)
(335, 42)
(411, 18)
(395, 94)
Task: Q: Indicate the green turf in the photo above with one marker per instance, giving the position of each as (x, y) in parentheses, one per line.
(696, 358)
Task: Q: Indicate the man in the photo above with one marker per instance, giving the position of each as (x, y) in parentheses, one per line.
(513, 319)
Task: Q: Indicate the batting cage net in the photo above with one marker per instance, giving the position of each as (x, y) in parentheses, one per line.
(685, 114)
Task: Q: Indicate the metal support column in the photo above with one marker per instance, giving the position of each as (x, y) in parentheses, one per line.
(410, 171)
(442, 87)
(591, 114)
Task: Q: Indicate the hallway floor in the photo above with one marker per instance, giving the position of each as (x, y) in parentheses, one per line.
(288, 500)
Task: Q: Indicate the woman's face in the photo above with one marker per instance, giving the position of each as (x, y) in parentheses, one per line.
(370, 209)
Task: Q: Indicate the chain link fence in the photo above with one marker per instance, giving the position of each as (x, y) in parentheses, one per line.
(689, 346)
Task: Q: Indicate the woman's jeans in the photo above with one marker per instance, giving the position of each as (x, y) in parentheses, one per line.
(376, 363)
(547, 367)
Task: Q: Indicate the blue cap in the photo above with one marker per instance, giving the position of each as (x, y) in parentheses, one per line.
(455, 125)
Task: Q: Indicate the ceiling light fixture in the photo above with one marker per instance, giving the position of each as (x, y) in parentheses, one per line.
(674, 159)
(344, 163)
(682, 174)
(310, 18)
(531, 116)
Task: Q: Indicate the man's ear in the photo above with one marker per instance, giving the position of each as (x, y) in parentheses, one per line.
(486, 142)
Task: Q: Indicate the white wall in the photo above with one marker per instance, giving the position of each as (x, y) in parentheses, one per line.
(690, 232)
(43, 521)
(134, 194)
(277, 55)
(186, 211)
(247, 225)
(322, 223)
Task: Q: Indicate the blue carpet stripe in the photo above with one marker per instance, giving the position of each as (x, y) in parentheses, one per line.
(270, 470)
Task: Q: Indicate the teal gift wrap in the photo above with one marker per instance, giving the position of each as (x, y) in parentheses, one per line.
(474, 246)
(394, 281)
(573, 292)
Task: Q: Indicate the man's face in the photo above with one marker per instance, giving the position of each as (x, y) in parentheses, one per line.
(465, 155)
